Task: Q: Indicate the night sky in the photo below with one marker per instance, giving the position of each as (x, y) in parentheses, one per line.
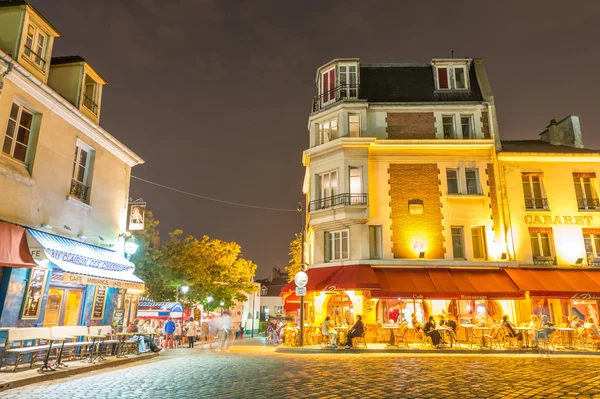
(215, 95)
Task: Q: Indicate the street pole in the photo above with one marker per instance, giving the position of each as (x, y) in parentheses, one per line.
(253, 301)
(302, 238)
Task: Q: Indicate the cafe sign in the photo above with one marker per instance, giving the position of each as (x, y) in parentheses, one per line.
(559, 220)
(101, 281)
(85, 261)
(586, 295)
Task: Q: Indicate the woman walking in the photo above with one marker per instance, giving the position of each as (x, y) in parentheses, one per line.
(191, 332)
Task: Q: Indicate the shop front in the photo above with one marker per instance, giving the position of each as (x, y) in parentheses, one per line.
(71, 283)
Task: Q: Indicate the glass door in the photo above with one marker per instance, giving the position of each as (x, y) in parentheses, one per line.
(63, 307)
(53, 307)
(72, 307)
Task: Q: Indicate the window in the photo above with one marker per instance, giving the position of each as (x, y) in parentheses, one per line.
(35, 46)
(328, 85)
(348, 86)
(336, 245)
(355, 182)
(278, 309)
(442, 74)
(592, 245)
(327, 188)
(354, 125)
(472, 178)
(80, 181)
(18, 132)
(452, 178)
(584, 190)
(460, 80)
(448, 125)
(263, 291)
(533, 192)
(328, 131)
(458, 242)
(466, 122)
(540, 242)
(375, 241)
(91, 94)
(478, 237)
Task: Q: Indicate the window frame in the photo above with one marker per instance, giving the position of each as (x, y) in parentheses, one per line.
(579, 184)
(29, 52)
(320, 189)
(481, 240)
(543, 198)
(461, 237)
(360, 176)
(539, 237)
(330, 246)
(375, 242)
(458, 185)
(17, 125)
(477, 181)
(595, 246)
(359, 133)
(329, 92)
(453, 135)
(464, 69)
(321, 130)
(471, 134)
(438, 81)
(349, 91)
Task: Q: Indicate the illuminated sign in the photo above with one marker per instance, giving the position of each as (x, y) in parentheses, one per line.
(584, 220)
(101, 281)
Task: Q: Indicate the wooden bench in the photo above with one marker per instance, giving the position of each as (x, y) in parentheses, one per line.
(23, 336)
(74, 335)
(109, 343)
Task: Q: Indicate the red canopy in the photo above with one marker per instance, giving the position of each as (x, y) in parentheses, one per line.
(446, 284)
(14, 251)
(318, 278)
(558, 283)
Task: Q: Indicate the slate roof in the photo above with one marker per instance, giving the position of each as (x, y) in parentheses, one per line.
(542, 147)
(67, 59)
(410, 83)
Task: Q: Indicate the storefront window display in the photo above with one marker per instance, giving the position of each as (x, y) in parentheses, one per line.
(585, 309)
(478, 312)
(339, 307)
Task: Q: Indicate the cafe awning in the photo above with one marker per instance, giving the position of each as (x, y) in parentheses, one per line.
(338, 278)
(318, 279)
(159, 310)
(557, 283)
(446, 283)
(14, 251)
(87, 264)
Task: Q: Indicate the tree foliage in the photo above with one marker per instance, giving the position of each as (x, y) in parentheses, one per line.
(295, 264)
(209, 267)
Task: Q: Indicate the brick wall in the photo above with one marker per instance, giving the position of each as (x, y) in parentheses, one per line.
(409, 182)
(410, 125)
(494, 198)
(485, 124)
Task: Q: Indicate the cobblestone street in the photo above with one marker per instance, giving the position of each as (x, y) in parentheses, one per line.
(258, 372)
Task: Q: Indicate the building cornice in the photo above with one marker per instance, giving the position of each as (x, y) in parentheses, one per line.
(55, 102)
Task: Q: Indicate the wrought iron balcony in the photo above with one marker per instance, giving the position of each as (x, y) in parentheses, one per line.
(35, 57)
(588, 204)
(338, 200)
(332, 96)
(79, 191)
(544, 260)
(536, 203)
(90, 104)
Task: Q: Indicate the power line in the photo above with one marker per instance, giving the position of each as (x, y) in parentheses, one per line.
(266, 208)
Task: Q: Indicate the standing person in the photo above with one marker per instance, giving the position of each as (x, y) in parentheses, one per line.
(357, 330)
(191, 332)
(169, 330)
(226, 327)
(178, 335)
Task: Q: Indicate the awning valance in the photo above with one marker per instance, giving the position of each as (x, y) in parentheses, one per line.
(318, 279)
(14, 251)
(87, 264)
(558, 283)
(446, 284)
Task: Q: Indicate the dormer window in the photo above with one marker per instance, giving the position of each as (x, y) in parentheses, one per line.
(36, 44)
(90, 95)
(451, 77)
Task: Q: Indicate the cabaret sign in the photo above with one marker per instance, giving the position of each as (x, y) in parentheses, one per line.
(584, 220)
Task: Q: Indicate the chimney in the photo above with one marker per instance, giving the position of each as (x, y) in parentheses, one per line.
(567, 132)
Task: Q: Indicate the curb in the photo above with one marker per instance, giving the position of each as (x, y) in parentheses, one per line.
(297, 350)
(70, 372)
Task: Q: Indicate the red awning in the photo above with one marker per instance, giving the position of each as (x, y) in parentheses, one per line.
(318, 279)
(354, 277)
(291, 306)
(558, 283)
(446, 284)
(14, 251)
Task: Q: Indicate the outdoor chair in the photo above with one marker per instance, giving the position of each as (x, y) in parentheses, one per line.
(591, 339)
(509, 339)
(400, 336)
(360, 341)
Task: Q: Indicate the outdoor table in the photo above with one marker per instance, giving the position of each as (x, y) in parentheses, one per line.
(391, 328)
(443, 331)
(45, 366)
(121, 345)
(525, 331)
(569, 331)
(59, 362)
(482, 329)
(90, 358)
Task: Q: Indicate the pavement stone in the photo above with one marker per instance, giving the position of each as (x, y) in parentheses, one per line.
(259, 372)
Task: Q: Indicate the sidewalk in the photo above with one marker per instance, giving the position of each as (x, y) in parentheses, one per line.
(9, 379)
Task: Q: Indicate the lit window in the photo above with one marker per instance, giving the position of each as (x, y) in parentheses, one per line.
(591, 239)
(460, 80)
(448, 124)
(348, 85)
(328, 131)
(327, 190)
(452, 77)
(375, 241)
(540, 243)
(478, 237)
(36, 43)
(336, 245)
(81, 178)
(91, 94)
(18, 132)
(442, 73)
(472, 178)
(458, 242)
(533, 191)
(584, 190)
(466, 122)
(354, 125)
(355, 180)
(452, 179)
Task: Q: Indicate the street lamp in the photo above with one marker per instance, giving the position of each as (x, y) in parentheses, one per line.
(185, 289)
(131, 246)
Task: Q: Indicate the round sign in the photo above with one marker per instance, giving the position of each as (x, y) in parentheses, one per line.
(301, 279)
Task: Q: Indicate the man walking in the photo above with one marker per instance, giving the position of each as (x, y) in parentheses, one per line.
(226, 326)
(169, 331)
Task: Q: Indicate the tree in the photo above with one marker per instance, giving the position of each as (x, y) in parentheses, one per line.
(295, 264)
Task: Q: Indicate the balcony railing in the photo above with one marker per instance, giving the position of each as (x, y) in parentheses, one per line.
(90, 104)
(544, 260)
(35, 57)
(332, 96)
(79, 191)
(338, 200)
(588, 204)
(536, 203)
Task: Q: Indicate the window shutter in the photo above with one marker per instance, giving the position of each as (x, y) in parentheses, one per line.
(443, 78)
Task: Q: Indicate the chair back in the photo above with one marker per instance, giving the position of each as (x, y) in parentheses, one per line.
(507, 332)
(68, 331)
(28, 333)
(402, 330)
(100, 330)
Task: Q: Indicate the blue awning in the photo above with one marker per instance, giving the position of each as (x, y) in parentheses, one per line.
(106, 267)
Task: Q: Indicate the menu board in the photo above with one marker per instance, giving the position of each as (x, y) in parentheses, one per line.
(196, 314)
(34, 293)
(118, 317)
(98, 305)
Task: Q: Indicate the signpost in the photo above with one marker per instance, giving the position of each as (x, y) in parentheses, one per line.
(301, 279)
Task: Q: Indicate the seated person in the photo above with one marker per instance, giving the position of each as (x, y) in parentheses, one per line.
(357, 330)
(534, 322)
(441, 320)
(430, 331)
(451, 323)
(144, 343)
(592, 326)
(547, 328)
(327, 329)
(509, 329)
(575, 323)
